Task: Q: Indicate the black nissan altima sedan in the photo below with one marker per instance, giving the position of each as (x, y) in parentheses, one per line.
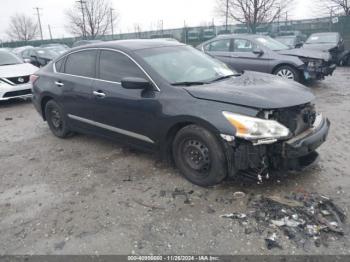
(168, 97)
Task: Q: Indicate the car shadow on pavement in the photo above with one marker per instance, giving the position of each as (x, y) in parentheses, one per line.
(14, 102)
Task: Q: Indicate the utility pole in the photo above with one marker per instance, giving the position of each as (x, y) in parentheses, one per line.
(50, 32)
(162, 24)
(39, 21)
(81, 2)
(111, 10)
(226, 23)
(185, 32)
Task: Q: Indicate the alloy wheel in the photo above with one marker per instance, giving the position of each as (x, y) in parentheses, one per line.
(286, 73)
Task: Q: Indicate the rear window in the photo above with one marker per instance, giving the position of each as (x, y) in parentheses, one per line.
(81, 64)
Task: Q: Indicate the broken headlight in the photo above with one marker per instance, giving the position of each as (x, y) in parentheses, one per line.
(252, 128)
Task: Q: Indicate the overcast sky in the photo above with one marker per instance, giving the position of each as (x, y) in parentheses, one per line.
(144, 12)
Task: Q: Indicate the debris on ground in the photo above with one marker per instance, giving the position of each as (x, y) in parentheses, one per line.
(238, 195)
(181, 192)
(234, 215)
(271, 241)
(8, 118)
(302, 217)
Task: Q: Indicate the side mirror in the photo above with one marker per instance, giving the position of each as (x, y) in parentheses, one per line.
(135, 83)
(27, 60)
(258, 51)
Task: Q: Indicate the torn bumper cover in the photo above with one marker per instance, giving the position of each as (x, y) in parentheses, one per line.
(299, 151)
(319, 72)
(293, 154)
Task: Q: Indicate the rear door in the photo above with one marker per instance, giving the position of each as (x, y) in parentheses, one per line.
(121, 112)
(244, 58)
(75, 77)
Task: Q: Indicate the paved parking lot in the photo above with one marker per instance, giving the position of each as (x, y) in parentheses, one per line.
(86, 195)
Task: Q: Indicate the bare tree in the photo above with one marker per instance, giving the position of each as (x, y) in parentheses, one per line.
(22, 28)
(336, 6)
(91, 18)
(252, 13)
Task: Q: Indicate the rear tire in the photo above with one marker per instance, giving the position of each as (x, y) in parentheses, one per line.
(56, 119)
(287, 72)
(199, 156)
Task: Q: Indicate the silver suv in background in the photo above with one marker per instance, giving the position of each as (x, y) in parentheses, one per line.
(264, 54)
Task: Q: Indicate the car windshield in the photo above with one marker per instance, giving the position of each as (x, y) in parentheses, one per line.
(322, 39)
(289, 41)
(7, 58)
(60, 49)
(272, 44)
(184, 64)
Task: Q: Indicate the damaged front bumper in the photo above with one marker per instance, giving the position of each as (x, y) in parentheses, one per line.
(299, 151)
(319, 72)
(293, 154)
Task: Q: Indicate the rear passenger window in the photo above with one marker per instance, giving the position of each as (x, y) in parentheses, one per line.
(81, 64)
(114, 66)
(219, 46)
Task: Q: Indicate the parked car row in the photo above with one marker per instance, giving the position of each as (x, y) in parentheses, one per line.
(264, 54)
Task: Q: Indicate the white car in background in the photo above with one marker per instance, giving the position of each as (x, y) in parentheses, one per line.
(14, 77)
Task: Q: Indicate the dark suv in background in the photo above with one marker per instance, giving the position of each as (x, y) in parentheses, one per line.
(265, 54)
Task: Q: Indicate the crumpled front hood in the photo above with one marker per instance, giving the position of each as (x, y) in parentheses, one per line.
(255, 90)
(17, 70)
(319, 47)
(307, 53)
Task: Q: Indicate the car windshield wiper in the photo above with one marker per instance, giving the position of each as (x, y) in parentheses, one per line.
(223, 77)
(188, 83)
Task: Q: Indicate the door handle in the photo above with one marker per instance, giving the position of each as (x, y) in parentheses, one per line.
(59, 83)
(99, 94)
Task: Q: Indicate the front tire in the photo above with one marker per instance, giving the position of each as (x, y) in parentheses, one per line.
(56, 119)
(199, 156)
(287, 72)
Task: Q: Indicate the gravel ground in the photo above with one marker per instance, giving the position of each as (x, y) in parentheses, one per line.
(86, 195)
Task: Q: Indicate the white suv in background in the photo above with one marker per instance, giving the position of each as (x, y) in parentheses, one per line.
(14, 76)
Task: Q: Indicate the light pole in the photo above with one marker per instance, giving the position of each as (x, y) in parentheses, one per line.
(39, 21)
(111, 10)
(226, 23)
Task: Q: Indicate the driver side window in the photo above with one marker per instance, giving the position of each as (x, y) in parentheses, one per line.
(243, 45)
(115, 66)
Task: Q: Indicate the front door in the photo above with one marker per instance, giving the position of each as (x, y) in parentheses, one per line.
(124, 113)
(243, 57)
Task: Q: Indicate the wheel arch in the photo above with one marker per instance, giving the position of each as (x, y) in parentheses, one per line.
(43, 103)
(175, 127)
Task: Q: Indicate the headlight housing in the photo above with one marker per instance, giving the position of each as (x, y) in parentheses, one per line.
(315, 63)
(2, 83)
(252, 128)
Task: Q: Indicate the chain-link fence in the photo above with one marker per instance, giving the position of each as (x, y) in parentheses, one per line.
(196, 35)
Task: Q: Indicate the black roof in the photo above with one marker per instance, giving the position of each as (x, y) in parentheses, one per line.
(134, 44)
